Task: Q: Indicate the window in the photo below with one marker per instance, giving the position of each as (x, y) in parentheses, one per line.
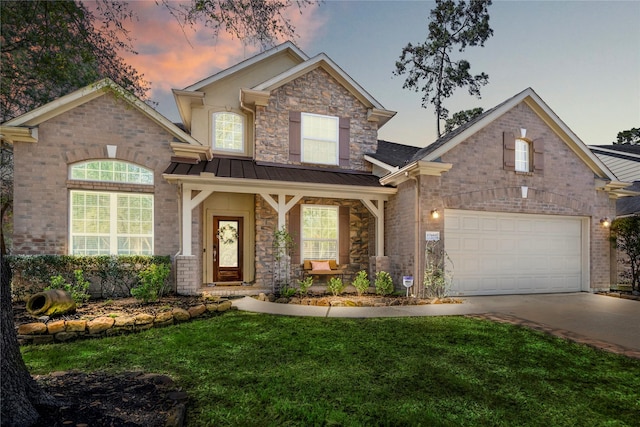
(228, 132)
(111, 223)
(320, 139)
(319, 232)
(522, 155)
(111, 171)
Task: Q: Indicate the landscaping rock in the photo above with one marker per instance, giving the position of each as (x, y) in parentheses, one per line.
(144, 319)
(164, 317)
(66, 336)
(32, 329)
(262, 297)
(99, 324)
(76, 325)
(180, 314)
(197, 310)
(224, 306)
(124, 321)
(55, 327)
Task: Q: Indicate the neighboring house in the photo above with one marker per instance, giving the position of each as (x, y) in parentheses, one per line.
(624, 161)
(283, 140)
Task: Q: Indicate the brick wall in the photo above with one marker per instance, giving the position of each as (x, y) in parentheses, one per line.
(478, 181)
(315, 92)
(41, 173)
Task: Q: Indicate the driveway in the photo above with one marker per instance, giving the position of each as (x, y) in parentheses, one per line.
(584, 317)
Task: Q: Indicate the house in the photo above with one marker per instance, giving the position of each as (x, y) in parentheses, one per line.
(624, 161)
(284, 141)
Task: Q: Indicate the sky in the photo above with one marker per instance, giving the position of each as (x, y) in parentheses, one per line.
(581, 57)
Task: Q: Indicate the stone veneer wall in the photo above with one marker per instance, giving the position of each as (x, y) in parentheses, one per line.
(266, 223)
(315, 92)
(478, 181)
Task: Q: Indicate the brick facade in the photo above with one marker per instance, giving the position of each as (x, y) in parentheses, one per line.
(82, 133)
(478, 181)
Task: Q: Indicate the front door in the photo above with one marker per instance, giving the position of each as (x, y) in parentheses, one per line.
(227, 249)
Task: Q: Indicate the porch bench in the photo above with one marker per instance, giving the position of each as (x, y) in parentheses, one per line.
(334, 269)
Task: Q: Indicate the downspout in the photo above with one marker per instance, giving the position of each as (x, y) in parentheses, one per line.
(243, 107)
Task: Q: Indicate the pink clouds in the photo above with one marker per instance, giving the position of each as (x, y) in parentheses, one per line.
(172, 57)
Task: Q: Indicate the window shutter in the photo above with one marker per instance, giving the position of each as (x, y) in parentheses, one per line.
(294, 232)
(538, 156)
(344, 137)
(295, 132)
(344, 235)
(509, 151)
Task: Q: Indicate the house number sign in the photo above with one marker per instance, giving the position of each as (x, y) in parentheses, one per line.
(432, 236)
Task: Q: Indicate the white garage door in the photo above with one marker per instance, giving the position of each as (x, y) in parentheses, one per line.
(497, 253)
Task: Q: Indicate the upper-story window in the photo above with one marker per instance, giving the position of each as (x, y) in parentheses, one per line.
(111, 222)
(523, 155)
(320, 138)
(228, 132)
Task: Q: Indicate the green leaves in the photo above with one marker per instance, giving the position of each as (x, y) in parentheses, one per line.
(429, 66)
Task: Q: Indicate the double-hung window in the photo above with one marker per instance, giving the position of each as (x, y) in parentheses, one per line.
(228, 132)
(320, 139)
(523, 155)
(319, 232)
(111, 222)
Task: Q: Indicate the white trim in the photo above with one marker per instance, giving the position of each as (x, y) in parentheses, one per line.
(383, 165)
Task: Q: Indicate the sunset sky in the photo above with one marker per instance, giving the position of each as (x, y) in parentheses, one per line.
(581, 57)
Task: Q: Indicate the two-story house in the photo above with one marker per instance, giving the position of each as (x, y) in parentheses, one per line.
(283, 141)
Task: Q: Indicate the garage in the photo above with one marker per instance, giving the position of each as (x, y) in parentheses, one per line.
(504, 253)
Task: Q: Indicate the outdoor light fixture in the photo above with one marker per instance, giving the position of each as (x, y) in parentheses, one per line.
(435, 214)
(605, 222)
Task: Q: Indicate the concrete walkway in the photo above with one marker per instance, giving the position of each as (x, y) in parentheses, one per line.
(609, 323)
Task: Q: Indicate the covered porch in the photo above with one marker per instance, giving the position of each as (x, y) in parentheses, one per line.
(247, 202)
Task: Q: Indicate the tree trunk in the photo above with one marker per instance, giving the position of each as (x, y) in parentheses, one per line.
(20, 392)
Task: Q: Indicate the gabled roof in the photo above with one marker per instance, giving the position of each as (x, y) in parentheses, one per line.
(622, 159)
(81, 96)
(324, 62)
(287, 47)
(434, 151)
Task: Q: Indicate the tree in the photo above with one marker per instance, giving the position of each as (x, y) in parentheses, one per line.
(430, 67)
(625, 235)
(253, 21)
(631, 136)
(460, 118)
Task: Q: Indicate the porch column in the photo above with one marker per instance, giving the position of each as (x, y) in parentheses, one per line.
(377, 210)
(188, 204)
(281, 206)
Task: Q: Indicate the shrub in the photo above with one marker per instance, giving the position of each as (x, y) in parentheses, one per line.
(384, 284)
(305, 284)
(361, 282)
(79, 289)
(152, 283)
(437, 271)
(335, 286)
(287, 291)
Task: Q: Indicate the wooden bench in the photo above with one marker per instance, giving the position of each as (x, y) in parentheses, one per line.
(334, 269)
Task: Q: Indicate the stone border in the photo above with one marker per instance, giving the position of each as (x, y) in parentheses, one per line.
(66, 330)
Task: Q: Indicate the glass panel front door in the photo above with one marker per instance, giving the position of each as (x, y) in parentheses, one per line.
(227, 250)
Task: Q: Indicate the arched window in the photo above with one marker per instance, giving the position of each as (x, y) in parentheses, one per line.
(523, 155)
(111, 222)
(111, 171)
(228, 132)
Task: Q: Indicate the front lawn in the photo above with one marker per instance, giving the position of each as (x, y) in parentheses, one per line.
(252, 369)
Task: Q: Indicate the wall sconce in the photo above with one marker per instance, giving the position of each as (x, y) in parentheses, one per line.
(435, 214)
(605, 222)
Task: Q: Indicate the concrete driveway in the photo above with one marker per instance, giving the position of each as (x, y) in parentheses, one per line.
(598, 320)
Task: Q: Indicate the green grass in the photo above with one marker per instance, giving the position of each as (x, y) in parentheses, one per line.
(250, 369)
